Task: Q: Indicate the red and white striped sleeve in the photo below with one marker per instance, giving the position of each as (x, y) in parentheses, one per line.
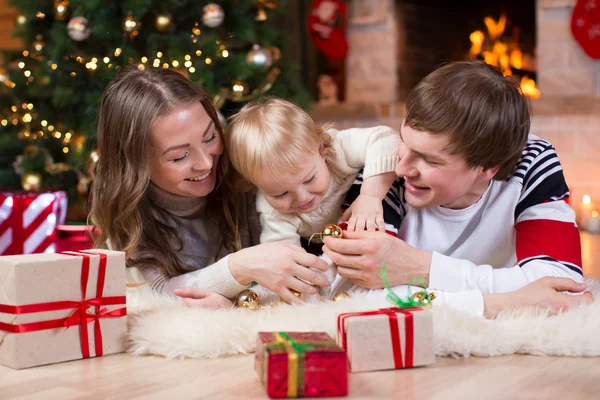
(547, 236)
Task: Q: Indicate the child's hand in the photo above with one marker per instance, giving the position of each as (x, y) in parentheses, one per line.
(366, 212)
(202, 298)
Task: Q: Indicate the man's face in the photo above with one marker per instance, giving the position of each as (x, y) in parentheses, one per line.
(435, 177)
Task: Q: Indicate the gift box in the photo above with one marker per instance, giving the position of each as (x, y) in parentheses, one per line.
(62, 306)
(389, 338)
(28, 221)
(301, 364)
(74, 237)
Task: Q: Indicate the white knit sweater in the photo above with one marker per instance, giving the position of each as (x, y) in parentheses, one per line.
(375, 149)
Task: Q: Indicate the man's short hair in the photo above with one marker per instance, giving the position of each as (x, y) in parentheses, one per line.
(485, 114)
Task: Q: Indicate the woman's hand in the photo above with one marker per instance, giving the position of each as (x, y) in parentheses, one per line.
(544, 293)
(365, 213)
(279, 267)
(202, 298)
(360, 256)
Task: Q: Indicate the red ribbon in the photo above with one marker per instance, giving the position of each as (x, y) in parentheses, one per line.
(392, 314)
(80, 316)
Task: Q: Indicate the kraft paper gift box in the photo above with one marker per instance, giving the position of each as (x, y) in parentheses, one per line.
(301, 364)
(389, 338)
(60, 307)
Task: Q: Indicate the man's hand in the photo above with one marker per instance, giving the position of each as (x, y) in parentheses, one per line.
(544, 293)
(360, 256)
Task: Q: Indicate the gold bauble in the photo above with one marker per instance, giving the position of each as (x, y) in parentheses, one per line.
(61, 9)
(132, 25)
(163, 22)
(248, 299)
(31, 182)
(261, 15)
(341, 296)
(239, 89)
(333, 231)
(295, 293)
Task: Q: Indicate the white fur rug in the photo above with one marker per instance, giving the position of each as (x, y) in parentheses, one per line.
(163, 326)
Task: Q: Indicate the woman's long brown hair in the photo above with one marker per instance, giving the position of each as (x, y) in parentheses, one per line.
(120, 206)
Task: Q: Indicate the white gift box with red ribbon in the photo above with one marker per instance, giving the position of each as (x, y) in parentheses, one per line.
(62, 306)
(28, 221)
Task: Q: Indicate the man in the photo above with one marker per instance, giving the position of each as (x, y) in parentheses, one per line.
(481, 203)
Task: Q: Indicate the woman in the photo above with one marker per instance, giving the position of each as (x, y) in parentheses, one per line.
(163, 194)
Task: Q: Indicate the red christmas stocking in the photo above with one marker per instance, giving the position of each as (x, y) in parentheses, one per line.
(585, 25)
(326, 24)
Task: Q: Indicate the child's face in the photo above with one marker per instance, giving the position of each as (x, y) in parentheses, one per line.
(186, 149)
(300, 191)
(433, 176)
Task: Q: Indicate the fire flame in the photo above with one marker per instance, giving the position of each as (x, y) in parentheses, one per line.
(496, 52)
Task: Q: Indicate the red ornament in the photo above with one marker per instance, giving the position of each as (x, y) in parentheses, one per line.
(326, 23)
(585, 25)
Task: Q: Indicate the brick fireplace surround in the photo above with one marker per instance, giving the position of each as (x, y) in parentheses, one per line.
(567, 114)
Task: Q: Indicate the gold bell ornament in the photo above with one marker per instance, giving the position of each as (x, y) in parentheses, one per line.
(330, 230)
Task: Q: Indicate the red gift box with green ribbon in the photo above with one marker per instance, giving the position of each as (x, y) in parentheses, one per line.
(301, 364)
(62, 306)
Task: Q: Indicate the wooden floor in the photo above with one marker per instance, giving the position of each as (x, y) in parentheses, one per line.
(126, 377)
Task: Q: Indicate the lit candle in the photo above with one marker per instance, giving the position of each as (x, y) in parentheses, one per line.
(584, 211)
(593, 223)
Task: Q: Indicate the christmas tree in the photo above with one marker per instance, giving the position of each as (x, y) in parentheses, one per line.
(73, 48)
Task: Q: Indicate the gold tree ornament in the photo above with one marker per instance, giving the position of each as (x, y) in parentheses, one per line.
(31, 182)
(341, 296)
(61, 9)
(132, 25)
(248, 299)
(212, 15)
(163, 22)
(78, 28)
(260, 5)
(295, 293)
(332, 230)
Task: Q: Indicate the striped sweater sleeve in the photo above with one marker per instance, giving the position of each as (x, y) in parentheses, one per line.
(394, 206)
(545, 224)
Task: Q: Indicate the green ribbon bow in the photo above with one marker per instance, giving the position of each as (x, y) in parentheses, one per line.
(419, 299)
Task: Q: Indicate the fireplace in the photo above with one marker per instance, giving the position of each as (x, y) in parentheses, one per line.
(423, 34)
(381, 67)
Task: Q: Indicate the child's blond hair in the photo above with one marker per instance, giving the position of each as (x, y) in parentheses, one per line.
(272, 136)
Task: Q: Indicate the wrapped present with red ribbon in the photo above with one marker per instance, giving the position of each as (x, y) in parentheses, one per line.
(388, 338)
(62, 306)
(74, 237)
(301, 364)
(28, 221)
